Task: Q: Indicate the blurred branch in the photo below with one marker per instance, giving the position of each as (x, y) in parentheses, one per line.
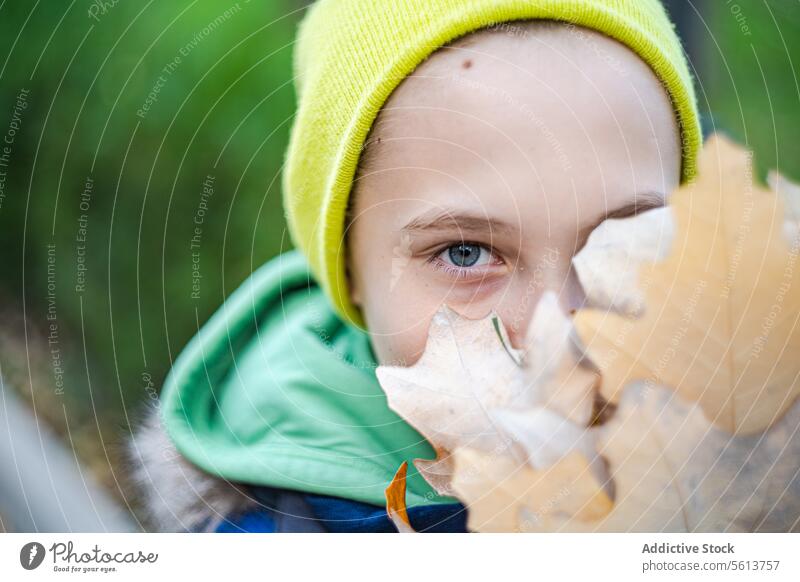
(42, 485)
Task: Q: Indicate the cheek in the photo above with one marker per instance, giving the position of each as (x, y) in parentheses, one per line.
(397, 308)
(398, 326)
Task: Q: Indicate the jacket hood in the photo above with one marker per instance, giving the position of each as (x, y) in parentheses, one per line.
(276, 390)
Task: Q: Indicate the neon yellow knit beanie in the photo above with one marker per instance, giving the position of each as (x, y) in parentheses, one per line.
(351, 54)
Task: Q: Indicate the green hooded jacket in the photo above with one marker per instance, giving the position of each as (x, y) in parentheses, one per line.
(276, 390)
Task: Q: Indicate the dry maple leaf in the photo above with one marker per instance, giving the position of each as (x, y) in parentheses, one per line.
(469, 368)
(396, 501)
(722, 318)
(673, 471)
(504, 495)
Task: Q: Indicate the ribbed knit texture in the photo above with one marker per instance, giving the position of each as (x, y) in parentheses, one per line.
(350, 56)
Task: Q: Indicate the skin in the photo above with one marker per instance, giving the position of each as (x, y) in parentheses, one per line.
(488, 168)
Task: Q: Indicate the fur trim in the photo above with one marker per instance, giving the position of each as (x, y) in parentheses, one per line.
(175, 494)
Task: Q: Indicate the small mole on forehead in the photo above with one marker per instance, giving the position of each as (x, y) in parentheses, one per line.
(467, 63)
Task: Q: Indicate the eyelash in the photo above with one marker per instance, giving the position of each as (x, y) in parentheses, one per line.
(460, 272)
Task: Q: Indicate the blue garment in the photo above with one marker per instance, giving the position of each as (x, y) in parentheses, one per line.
(282, 510)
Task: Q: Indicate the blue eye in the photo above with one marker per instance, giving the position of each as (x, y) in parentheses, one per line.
(465, 260)
(465, 254)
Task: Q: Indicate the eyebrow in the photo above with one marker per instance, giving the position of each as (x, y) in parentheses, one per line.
(449, 220)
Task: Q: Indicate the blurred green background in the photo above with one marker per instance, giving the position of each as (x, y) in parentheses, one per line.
(123, 110)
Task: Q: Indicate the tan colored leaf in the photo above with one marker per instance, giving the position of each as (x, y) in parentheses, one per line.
(396, 501)
(504, 495)
(674, 471)
(469, 369)
(437, 471)
(722, 323)
(460, 375)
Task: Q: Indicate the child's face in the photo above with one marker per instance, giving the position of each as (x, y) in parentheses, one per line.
(494, 164)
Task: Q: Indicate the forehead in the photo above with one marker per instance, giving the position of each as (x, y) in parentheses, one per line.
(530, 69)
(564, 94)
